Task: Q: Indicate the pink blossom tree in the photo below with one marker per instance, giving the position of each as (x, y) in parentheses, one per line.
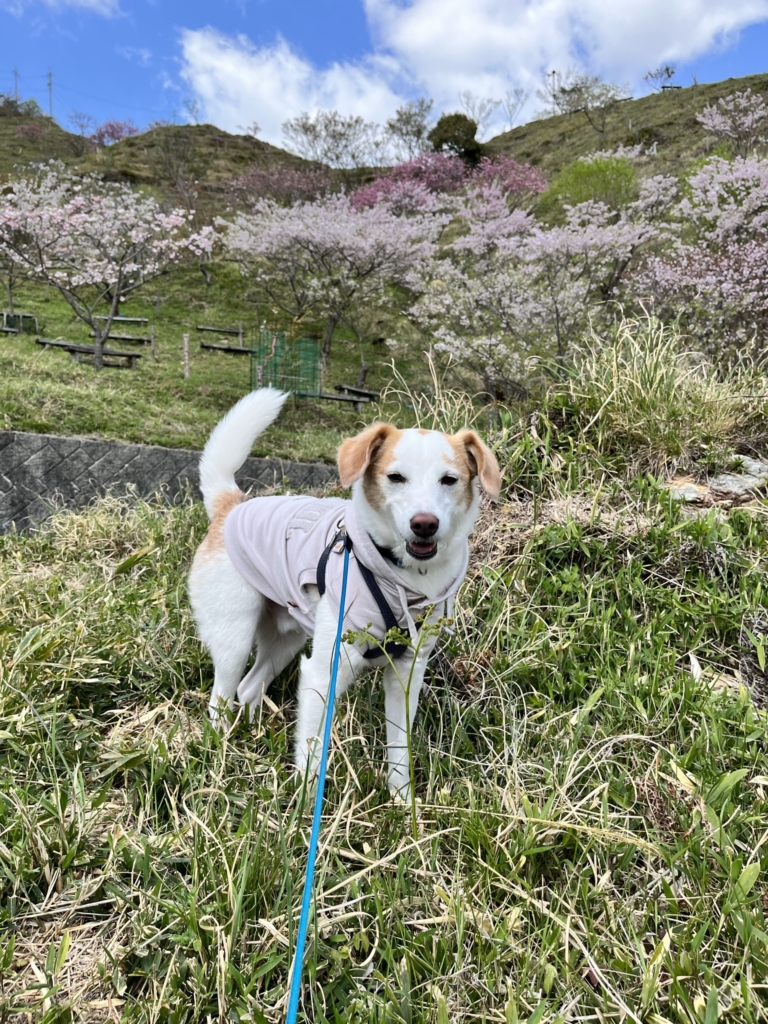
(437, 173)
(31, 132)
(728, 199)
(113, 131)
(428, 173)
(93, 241)
(740, 119)
(325, 258)
(517, 181)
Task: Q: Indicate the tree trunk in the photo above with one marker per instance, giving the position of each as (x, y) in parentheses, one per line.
(364, 368)
(333, 323)
(9, 289)
(98, 348)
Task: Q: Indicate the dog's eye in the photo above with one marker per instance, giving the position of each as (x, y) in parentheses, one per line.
(448, 481)
(396, 478)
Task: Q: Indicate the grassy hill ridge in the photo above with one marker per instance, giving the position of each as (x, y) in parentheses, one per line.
(664, 123)
(207, 153)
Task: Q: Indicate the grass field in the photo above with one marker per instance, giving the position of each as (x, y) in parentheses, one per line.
(590, 761)
(45, 392)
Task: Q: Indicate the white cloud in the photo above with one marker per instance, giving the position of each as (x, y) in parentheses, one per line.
(487, 45)
(238, 83)
(441, 47)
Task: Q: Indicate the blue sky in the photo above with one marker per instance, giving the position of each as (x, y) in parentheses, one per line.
(266, 60)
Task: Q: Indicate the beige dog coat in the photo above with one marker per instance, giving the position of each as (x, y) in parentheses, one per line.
(275, 544)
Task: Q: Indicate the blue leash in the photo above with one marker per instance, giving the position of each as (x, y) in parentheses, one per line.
(306, 899)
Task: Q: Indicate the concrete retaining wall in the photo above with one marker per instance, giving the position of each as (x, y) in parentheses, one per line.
(35, 468)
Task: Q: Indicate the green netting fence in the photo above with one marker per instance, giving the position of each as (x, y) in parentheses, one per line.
(285, 363)
(24, 323)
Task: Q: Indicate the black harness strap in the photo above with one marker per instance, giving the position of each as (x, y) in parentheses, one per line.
(393, 649)
(323, 563)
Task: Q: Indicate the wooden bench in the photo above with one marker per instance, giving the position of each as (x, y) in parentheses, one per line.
(9, 330)
(76, 350)
(222, 330)
(125, 319)
(357, 400)
(235, 350)
(367, 393)
(144, 340)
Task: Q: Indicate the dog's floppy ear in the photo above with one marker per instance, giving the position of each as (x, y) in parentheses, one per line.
(357, 453)
(482, 459)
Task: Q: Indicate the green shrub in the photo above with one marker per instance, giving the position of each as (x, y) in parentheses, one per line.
(605, 179)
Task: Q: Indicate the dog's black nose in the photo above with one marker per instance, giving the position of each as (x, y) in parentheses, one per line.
(424, 525)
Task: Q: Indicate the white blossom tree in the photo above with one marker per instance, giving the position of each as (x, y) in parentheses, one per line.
(741, 119)
(93, 241)
(714, 278)
(511, 290)
(325, 258)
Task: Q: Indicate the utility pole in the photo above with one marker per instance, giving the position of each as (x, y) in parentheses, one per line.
(50, 94)
(16, 84)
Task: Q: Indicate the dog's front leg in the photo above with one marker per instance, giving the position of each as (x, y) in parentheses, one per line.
(314, 681)
(402, 686)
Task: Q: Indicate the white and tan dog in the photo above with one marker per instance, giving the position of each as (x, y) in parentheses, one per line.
(254, 579)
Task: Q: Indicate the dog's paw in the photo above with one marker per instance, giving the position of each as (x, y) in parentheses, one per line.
(402, 795)
(220, 712)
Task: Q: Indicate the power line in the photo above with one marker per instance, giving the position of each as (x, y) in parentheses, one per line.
(15, 76)
(111, 103)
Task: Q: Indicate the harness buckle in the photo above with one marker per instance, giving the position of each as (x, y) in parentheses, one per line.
(340, 541)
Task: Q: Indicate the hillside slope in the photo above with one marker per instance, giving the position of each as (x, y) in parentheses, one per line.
(665, 120)
(204, 154)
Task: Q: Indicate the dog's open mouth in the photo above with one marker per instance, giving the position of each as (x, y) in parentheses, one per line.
(422, 549)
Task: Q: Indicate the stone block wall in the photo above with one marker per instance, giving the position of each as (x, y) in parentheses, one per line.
(38, 470)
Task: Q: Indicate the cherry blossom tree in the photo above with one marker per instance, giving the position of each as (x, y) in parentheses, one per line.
(713, 278)
(741, 119)
(284, 184)
(113, 131)
(324, 258)
(93, 241)
(32, 132)
(517, 181)
(437, 173)
(424, 175)
(511, 290)
(728, 199)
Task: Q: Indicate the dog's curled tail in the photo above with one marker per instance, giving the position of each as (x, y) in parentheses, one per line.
(231, 441)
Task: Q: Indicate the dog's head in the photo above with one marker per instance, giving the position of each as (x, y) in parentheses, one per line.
(421, 487)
